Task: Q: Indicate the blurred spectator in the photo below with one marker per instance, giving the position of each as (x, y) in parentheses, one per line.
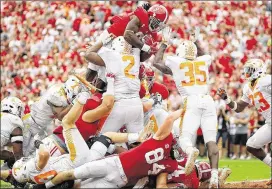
(41, 41)
(240, 120)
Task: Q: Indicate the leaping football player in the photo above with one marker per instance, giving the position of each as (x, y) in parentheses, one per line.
(191, 77)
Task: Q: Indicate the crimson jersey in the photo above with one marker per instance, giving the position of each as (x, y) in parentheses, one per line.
(156, 87)
(150, 158)
(119, 23)
(85, 129)
(178, 176)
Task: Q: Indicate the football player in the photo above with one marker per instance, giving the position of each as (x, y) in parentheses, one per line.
(42, 168)
(150, 158)
(123, 61)
(12, 126)
(199, 177)
(149, 22)
(88, 123)
(256, 92)
(191, 76)
(145, 19)
(55, 103)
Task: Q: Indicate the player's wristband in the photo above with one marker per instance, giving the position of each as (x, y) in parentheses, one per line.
(132, 137)
(228, 100)
(49, 184)
(146, 48)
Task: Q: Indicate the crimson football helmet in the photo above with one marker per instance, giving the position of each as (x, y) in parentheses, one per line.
(158, 16)
(203, 171)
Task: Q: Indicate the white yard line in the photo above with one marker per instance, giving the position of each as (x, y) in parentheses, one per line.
(247, 181)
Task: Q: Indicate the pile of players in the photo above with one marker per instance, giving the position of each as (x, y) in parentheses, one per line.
(117, 108)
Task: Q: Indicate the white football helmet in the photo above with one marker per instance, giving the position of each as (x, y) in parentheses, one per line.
(121, 45)
(187, 49)
(13, 105)
(72, 88)
(253, 69)
(19, 171)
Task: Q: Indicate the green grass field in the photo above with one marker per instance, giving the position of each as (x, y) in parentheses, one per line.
(246, 170)
(241, 170)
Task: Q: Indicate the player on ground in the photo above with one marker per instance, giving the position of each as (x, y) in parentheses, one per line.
(55, 103)
(12, 110)
(257, 92)
(198, 178)
(42, 168)
(152, 156)
(190, 74)
(88, 123)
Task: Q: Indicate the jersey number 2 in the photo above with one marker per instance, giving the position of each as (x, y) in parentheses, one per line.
(261, 100)
(193, 70)
(130, 59)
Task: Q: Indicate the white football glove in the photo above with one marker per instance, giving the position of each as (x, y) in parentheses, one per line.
(83, 97)
(167, 35)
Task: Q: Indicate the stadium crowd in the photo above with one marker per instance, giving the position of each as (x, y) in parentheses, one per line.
(42, 41)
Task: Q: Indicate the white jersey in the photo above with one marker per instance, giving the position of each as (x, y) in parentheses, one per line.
(126, 70)
(9, 122)
(54, 166)
(259, 96)
(191, 77)
(41, 112)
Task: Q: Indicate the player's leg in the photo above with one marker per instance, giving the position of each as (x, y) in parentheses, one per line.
(94, 169)
(113, 176)
(134, 115)
(75, 143)
(102, 110)
(256, 142)
(189, 124)
(208, 126)
(115, 120)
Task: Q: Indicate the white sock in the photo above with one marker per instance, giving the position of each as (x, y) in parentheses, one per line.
(267, 160)
(214, 172)
(111, 148)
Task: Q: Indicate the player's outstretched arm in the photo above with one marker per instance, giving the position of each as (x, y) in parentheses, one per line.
(236, 106)
(93, 57)
(43, 157)
(130, 33)
(158, 60)
(167, 125)
(102, 110)
(107, 103)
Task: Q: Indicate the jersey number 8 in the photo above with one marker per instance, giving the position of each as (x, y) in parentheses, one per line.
(154, 156)
(193, 71)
